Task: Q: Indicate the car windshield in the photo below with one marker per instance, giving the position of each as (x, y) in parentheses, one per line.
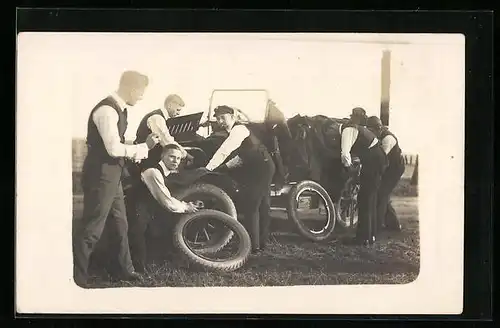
(250, 105)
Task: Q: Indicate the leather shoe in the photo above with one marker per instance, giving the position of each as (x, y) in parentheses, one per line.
(129, 276)
(256, 251)
(357, 242)
(140, 269)
(132, 276)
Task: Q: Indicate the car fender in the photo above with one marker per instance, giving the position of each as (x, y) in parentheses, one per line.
(223, 181)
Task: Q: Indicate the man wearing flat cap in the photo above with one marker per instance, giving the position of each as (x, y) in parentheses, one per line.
(386, 215)
(362, 143)
(244, 153)
(358, 116)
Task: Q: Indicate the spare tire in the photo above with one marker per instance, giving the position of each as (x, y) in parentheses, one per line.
(195, 257)
(293, 200)
(209, 196)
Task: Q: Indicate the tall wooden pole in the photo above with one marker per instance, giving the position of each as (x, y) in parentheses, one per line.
(385, 86)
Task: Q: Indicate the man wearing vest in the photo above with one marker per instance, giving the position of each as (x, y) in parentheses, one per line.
(156, 122)
(245, 155)
(358, 116)
(361, 142)
(386, 216)
(155, 201)
(102, 176)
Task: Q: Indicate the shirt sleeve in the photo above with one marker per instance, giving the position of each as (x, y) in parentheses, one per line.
(233, 141)
(349, 136)
(158, 126)
(234, 162)
(106, 120)
(388, 143)
(153, 179)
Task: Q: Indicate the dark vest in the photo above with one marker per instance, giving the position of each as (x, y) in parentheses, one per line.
(252, 150)
(364, 140)
(143, 131)
(96, 149)
(144, 192)
(394, 155)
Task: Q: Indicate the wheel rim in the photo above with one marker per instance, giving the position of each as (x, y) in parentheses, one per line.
(326, 207)
(348, 206)
(208, 235)
(220, 255)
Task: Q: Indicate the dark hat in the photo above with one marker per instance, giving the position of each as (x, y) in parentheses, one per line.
(223, 109)
(373, 122)
(358, 111)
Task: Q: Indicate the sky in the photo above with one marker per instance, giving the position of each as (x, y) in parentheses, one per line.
(308, 74)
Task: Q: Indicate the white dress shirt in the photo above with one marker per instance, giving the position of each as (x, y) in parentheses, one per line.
(155, 182)
(236, 136)
(349, 136)
(106, 120)
(388, 143)
(158, 125)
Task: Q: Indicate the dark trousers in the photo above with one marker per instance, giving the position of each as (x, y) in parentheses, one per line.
(256, 201)
(148, 224)
(138, 221)
(386, 215)
(103, 201)
(373, 162)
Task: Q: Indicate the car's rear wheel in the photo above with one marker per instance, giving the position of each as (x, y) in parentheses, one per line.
(311, 210)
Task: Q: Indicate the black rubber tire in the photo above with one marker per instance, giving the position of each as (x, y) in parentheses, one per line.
(227, 206)
(343, 224)
(296, 190)
(232, 264)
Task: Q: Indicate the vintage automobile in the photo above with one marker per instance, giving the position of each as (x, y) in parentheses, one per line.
(311, 187)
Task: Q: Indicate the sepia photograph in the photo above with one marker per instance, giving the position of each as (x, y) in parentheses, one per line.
(249, 160)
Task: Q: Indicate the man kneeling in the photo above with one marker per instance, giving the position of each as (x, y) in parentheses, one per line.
(154, 200)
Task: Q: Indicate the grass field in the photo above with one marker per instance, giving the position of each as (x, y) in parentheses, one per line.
(292, 260)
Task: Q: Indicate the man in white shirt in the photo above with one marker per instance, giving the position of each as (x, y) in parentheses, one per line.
(361, 142)
(386, 217)
(156, 122)
(358, 116)
(244, 152)
(156, 201)
(102, 174)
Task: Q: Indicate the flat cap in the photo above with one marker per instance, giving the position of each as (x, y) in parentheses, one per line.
(358, 111)
(373, 121)
(223, 109)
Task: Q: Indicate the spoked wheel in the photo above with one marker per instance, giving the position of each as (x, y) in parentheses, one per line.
(209, 238)
(231, 257)
(311, 210)
(347, 205)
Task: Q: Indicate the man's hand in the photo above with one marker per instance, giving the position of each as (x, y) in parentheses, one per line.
(189, 158)
(191, 208)
(221, 168)
(152, 140)
(205, 124)
(346, 160)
